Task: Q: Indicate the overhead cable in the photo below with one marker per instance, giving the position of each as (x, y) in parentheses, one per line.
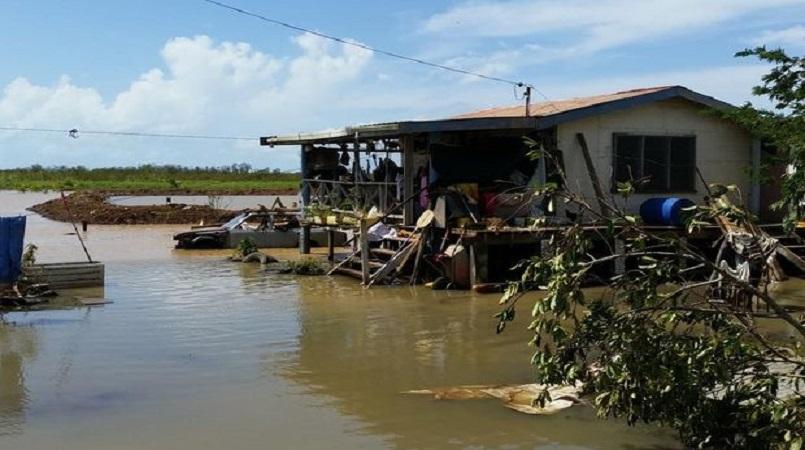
(75, 133)
(363, 46)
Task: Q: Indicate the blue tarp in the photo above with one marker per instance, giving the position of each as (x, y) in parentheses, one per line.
(12, 233)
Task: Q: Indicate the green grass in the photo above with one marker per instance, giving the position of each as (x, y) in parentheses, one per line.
(238, 178)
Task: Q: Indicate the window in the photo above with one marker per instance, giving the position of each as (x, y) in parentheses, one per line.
(664, 163)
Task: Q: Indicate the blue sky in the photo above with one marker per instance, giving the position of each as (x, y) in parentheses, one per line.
(185, 66)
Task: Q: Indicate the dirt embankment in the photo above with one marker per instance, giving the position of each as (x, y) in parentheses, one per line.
(92, 207)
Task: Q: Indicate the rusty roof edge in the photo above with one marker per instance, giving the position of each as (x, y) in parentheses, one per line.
(631, 102)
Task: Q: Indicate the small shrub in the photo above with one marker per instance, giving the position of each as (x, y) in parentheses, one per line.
(245, 247)
(217, 202)
(307, 266)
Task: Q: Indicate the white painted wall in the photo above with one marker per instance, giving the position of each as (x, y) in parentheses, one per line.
(723, 150)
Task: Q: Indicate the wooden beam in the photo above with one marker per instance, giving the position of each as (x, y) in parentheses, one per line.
(407, 145)
(599, 191)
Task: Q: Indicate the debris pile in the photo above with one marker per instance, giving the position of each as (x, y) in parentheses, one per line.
(93, 208)
(524, 398)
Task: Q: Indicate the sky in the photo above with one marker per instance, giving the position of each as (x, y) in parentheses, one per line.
(188, 67)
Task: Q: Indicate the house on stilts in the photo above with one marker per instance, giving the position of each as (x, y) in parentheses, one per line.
(468, 175)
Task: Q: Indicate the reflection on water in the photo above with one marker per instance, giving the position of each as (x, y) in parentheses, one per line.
(17, 347)
(196, 352)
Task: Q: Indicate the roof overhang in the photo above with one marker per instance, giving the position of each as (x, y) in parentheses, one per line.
(397, 129)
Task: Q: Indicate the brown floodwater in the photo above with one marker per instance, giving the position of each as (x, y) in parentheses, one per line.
(200, 353)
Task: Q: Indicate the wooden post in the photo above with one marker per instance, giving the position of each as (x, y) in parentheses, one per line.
(356, 163)
(364, 247)
(330, 245)
(304, 240)
(305, 192)
(473, 270)
(599, 191)
(480, 252)
(407, 144)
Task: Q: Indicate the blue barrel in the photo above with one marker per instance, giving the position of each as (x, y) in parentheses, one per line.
(12, 234)
(664, 210)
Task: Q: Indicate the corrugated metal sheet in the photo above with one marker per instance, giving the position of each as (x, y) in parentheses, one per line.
(548, 108)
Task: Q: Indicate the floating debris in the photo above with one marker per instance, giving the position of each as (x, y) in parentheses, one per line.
(523, 398)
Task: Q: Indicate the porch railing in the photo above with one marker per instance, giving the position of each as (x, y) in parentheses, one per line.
(350, 196)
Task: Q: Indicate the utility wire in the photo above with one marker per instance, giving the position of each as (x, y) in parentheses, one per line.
(75, 133)
(364, 46)
(391, 54)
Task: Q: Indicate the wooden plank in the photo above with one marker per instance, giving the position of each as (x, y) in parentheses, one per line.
(67, 275)
(393, 263)
(350, 272)
(420, 245)
(343, 263)
(791, 257)
(364, 246)
(384, 252)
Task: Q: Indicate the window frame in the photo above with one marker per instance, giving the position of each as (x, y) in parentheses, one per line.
(668, 137)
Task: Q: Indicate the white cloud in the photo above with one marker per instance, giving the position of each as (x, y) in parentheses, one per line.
(205, 88)
(591, 25)
(788, 37)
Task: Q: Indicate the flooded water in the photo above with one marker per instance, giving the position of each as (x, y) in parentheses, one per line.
(200, 353)
(234, 202)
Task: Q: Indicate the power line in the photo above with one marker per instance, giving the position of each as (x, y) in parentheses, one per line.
(364, 46)
(75, 133)
(391, 54)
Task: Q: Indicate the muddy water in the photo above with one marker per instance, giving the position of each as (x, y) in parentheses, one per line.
(198, 353)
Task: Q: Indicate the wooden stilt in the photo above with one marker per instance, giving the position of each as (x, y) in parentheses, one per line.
(364, 247)
(304, 240)
(330, 245)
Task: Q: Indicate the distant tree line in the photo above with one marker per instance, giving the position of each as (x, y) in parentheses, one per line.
(240, 176)
(148, 169)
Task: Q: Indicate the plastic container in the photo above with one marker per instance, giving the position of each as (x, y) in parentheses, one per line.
(664, 210)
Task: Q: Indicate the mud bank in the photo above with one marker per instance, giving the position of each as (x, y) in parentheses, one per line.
(92, 208)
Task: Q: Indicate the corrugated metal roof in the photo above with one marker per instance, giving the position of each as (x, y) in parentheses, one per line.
(543, 115)
(548, 108)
